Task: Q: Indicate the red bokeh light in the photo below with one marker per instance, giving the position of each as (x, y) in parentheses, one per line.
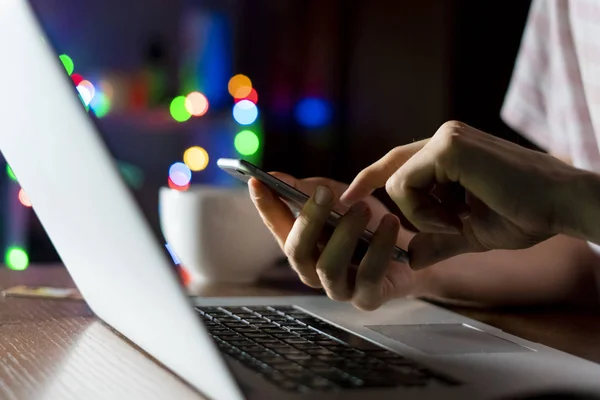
(253, 97)
(174, 186)
(77, 79)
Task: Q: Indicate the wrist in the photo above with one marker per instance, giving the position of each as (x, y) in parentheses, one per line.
(578, 208)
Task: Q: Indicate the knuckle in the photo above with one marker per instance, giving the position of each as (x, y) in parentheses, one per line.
(452, 125)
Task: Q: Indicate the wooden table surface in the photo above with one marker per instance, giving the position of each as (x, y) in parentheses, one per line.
(56, 349)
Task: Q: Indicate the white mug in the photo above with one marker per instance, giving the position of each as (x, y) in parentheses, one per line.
(217, 234)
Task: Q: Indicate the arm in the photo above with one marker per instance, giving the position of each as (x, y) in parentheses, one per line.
(559, 270)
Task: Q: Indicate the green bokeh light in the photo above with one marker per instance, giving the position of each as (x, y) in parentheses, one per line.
(246, 143)
(16, 259)
(68, 63)
(101, 105)
(178, 110)
(10, 173)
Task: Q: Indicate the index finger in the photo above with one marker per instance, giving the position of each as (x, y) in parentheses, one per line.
(376, 175)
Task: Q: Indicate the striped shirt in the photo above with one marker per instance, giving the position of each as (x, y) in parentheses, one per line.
(554, 95)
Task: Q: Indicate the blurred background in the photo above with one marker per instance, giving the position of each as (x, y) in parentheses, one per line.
(309, 87)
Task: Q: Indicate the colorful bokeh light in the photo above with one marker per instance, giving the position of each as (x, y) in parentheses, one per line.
(173, 186)
(196, 104)
(246, 143)
(100, 104)
(107, 88)
(172, 254)
(16, 259)
(85, 95)
(23, 198)
(178, 109)
(132, 174)
(196, 158)
(89, 86)
(313, 112)
(77, 79)
(180, 174)
(245, 112)
(239, 86)
(10, 173)
(252, 96)
(68, 63)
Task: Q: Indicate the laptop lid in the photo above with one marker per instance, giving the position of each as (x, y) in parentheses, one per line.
(89, 214)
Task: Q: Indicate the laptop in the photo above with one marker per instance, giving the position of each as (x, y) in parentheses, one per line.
(232, 348)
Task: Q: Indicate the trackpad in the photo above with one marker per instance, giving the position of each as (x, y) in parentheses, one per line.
(448, 339)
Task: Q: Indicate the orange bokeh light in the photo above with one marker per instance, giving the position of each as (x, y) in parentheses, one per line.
(240, 86)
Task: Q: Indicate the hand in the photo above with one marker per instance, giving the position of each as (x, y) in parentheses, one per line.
(327, 263)
(467, 191)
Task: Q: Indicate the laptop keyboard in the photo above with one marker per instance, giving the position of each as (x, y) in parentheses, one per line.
(299, 352)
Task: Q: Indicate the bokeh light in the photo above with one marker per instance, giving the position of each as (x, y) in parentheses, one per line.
(68, 63)
(178, 109)
(180, 174)
(173, 186)
(100, 104)
(252, 96)
(196, 158)
(85, 95)
(10, 173)
(246, 143)
(77, 79)
(132, 174)
(16, 258)
(239, 86)
(196, 104)
(107, 88)
(89, 86)
(245, 112)
(24, 199)
(313, 112)
(172, 254)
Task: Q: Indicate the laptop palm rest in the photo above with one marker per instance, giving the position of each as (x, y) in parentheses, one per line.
(448, 339)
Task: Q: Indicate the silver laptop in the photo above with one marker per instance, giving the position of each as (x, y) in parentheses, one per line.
(234, 348)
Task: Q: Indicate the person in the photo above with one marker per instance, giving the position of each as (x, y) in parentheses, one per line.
(497, 224)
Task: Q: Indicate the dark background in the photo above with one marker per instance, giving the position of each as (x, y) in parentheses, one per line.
(391, 71)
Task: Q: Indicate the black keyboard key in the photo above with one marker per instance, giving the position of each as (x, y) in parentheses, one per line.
(317, 356)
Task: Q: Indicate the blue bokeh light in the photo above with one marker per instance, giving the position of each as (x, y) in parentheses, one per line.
(313, 112)
(245, 112)
(180, 174)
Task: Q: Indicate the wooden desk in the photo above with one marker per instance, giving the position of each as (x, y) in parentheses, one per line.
(56, 349)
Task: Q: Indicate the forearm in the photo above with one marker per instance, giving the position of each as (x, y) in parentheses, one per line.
(559, 270)
(578, 211)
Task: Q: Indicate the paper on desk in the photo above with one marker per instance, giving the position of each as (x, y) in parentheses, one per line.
(43, 292)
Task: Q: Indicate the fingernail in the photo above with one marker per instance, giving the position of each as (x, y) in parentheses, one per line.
(344, 199)
(323, 196)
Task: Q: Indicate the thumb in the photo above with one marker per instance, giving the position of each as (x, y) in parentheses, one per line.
(426, 249)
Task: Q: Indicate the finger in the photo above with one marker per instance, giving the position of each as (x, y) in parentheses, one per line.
(332, 266)
(301, 244)
(427, 249)
(376, 175)
(274, 213)
(308, 185)
(368, 293)
(410, 188)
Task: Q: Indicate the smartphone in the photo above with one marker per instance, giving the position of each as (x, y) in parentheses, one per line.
(243, 170)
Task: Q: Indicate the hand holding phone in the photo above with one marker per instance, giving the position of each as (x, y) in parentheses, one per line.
(244, 170)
